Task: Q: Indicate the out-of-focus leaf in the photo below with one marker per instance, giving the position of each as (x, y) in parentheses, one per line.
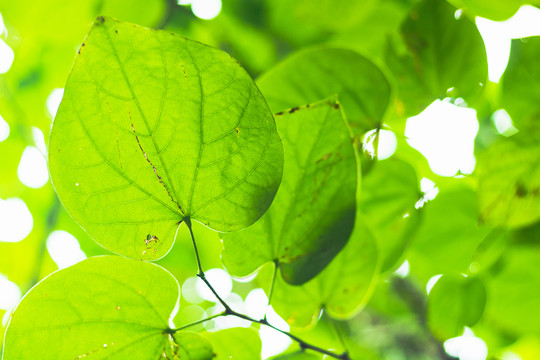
(387, 200)
(509, 180)
(312, 215)
(107, 307)
(448, 234)
(520, 83)
(342, 288)
(314, 74)
(445, 57)
(154, 128)
(235, 344)
(497, 10)
(298, 356)
(514, 290)
(454, 302)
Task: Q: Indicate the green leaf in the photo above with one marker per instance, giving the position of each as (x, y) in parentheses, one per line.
(514, 289)
(312, 215)
(454, 302)
(310, 75)
(103, 307)
(448, 235)
(492, 9)
(342, 288)
(520, 83)
(388, 198)
(235, 344)
(442, 53)
(154, 128)
(509, 181)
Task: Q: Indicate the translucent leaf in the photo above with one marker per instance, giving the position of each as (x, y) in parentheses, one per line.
(312, 215)
(310, 75)
(297, 356)
(235, 343)
(154, 128)
(492, 9)
(103, 307)
(445, 57)
(454, 302)
(342, 288)
(509, 181)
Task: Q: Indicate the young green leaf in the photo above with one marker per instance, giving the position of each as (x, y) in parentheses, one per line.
(312, 215)
(311, 75)
(235, 343)
(342, 288)
(154, 128)
(103, 307)
(454, 302)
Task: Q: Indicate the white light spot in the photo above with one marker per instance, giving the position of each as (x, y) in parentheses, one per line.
(403, 270)
(206, 9)
(227, 322)
(54, 100)
(444, 133)
(3, 29)
(524, 23)
(466, 347)
(221, 282)
(509, 355)
(430, 192)
(32, 170)
(458, 14)
(431, 282)
(15, 220)
(4, 129)
(10, 294)
(39, 140)
(276, 320)
(6, 57)
(189, 291)
(184, 2)
(387, 143)
(256, 303)
(64, 249)
(406, 215)
(273, 342)
(503, 123)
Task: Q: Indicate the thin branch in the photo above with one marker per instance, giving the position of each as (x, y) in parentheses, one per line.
(272, 285)
(197, 322)
(229, 311)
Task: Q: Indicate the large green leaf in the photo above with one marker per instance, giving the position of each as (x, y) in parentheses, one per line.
(521, 83)
(312, 215)
(454, 302)
(442, 53)
(154, 128)
(514, 289)
(389, 194)
(104, 307)
(509, 180)
(311, 75)
(342, 288)
(235, 344)
(448, 235)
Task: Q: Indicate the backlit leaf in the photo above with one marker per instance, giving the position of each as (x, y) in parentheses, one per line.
(154, 128)
(312, 215)
(235, 344)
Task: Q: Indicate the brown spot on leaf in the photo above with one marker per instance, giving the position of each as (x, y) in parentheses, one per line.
(294, 109)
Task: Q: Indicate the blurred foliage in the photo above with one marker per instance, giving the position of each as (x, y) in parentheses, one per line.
(386, 60)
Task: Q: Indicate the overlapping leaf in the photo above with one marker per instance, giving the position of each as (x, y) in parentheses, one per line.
(492, 9)
(445, 57)
(311, 75)
(104, 307)
(342, 288)
(235, 343)
(154, 128)
(312, 215)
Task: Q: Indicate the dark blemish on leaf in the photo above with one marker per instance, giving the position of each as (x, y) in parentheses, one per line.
(336, 106)
(279, 113)
(184, 71)
(294, 109)
(150, 238)
(101, 19)
(153, 167)
(521, 190)
(116, 31)
(534, 192)
(237, 132)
